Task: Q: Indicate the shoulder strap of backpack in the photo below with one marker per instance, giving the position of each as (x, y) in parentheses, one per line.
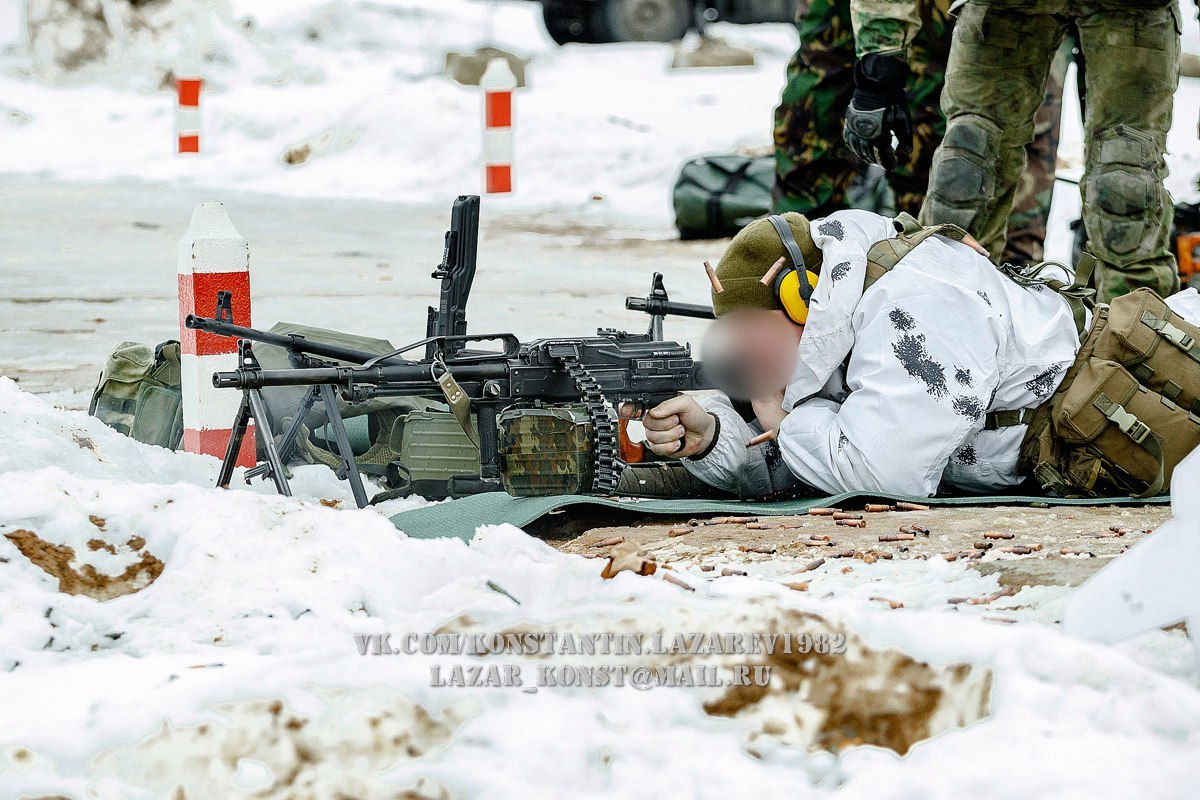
(884, 255)
(1078, 295)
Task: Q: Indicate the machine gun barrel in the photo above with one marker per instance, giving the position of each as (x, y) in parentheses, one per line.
(657, 306)
(290, 341)
(418, 373)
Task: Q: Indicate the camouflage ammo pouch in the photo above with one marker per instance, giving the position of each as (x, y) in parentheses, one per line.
(1126, 412)
(138, 393)
(545, 451)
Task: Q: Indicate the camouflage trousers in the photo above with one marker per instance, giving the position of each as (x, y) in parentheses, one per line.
(813, 167)
(994, 85)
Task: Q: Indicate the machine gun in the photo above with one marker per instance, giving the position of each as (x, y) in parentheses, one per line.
(478, 385)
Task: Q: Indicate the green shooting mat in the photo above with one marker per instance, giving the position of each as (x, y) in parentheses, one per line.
(568, 514)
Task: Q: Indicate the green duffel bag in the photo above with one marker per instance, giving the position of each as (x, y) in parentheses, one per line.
(717, 196)
(138, 393)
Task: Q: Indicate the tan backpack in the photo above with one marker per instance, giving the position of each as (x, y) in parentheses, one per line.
(1127, 411)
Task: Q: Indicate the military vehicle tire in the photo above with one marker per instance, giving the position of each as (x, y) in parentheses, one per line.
(642, 20)
(568, 25)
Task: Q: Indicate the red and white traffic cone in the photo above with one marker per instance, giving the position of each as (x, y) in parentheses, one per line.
(187, 113)
(498, 83)
(212, 257)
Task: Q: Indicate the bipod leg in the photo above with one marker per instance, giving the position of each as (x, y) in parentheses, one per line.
(240, 422)
(349, 465)
(288, 442)
(274, 462)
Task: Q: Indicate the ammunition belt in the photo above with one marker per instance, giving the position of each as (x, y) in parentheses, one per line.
(608, 465)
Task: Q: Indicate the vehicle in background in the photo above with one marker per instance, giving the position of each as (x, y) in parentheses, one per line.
(605, 21)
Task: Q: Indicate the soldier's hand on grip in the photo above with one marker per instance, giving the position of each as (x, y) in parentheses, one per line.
(679, 428)
(878, 109)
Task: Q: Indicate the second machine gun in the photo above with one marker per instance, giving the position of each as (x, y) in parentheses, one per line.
(612, 367)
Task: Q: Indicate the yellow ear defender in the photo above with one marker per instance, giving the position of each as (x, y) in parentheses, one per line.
(793, 285)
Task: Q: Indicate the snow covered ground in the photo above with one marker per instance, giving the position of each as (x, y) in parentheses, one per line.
(226, 660)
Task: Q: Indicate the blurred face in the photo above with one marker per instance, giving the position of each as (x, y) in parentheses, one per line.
(751, 352)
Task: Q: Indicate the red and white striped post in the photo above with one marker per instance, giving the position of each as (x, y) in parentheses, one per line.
(187, 113)
(498, 83)
(212, 257)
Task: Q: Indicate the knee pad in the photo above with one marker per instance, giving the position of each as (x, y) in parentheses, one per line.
(962, 180)
(1125, 200)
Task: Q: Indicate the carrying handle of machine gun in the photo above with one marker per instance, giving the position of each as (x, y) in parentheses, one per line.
(658, 305)
(453, 344)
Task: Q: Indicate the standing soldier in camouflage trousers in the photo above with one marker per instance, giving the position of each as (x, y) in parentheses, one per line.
(814, 167)
(1001, 53)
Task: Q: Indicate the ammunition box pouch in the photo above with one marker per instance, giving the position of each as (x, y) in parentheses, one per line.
(1126, 412)
(138, 393)
(545, 451)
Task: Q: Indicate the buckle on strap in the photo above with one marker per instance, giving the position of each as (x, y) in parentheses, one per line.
(1130, 425)
(1051, 479)
(995, 420)
(1168, 331)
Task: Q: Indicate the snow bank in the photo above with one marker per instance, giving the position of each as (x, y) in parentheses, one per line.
(233, 668)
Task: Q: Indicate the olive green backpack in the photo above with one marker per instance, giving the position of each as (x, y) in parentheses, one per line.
(716, 196)
(138, 393)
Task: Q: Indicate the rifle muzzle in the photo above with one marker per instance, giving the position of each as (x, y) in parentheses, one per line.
(238, 379)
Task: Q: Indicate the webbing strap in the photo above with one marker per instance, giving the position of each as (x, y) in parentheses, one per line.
(1140, 433)
(713, 204)
(459, 404)
(995, 420)
(885, 254)
(906, 224)
(1076, 294)
(1173, 335)
(1052, 480)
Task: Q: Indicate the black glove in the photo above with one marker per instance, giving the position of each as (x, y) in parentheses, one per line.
(878, 109)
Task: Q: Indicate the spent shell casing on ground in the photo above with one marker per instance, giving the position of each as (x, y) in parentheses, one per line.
(669, 578)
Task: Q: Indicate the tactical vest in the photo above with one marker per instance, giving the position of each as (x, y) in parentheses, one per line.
(1128, 409)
